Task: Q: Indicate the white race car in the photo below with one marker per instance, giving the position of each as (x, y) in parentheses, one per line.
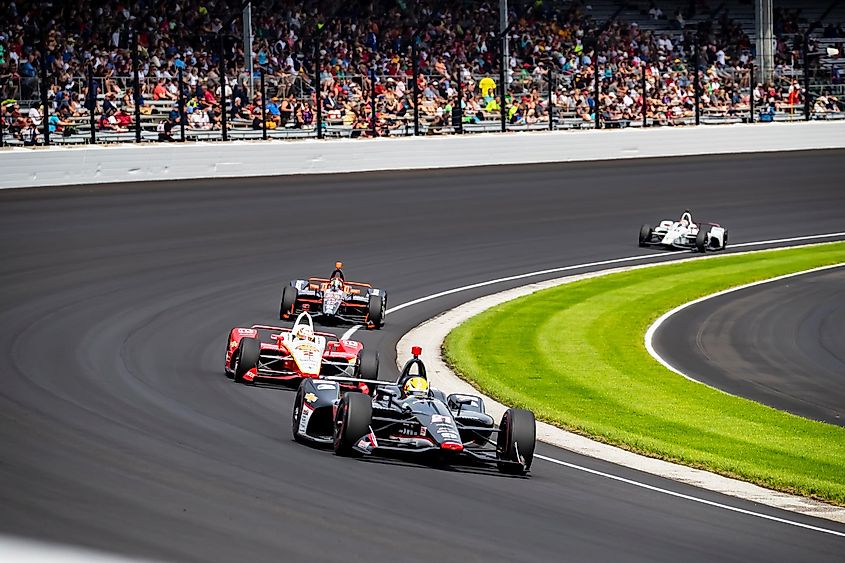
(685, 234)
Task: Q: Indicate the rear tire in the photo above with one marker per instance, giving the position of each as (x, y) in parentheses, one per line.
(352, 422)
(368, 363)
(517, 438)
(375, 311)
(725, 240)
(645, 235)
(245, 358)
(289, 295)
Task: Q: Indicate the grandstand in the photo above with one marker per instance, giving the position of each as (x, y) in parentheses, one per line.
(641, 54)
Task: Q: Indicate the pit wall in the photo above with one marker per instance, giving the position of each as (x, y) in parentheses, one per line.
(55, 166)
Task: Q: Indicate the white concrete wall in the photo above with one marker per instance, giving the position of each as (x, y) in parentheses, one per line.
(27, 167)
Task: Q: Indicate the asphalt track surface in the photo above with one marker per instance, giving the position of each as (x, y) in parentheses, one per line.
(119, 430)
(782, 343)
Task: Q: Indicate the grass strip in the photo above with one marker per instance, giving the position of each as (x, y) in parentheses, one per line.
(574, 354)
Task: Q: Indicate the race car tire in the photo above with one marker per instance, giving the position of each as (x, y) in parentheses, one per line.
(701, 240)
(289, 295)
(725, 240)
(245, 358)
(375, 311)
(227, 364)
(297, 414)
(352, 422)
(645, 235)
(368, 362)
(517, 439)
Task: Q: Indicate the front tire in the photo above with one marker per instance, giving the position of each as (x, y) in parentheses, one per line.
(352, 422)
(701, 240)
(375, 311)
(645, 235)
(297, 415)
(516, 441)
(289, 295)
(246, 358)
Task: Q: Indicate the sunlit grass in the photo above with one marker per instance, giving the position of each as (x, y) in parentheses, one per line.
(574, 354)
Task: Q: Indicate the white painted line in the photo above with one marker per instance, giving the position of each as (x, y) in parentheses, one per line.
(649, 334)
(679, 254)
(689, 497)
(348, 334)
(782, 240)
(431, 334)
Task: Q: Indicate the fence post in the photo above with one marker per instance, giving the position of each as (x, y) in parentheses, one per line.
(136, 85)
(752, 88)
(807, 75)
(317, 87)
(597, 94)
(373, 101)
(696, 81)
(551, 105)
(223, 89)
(181, 107)
(264, 111)
(460, 102)
(502, 85)
(92, 96)
(645, 99)
(45, 116)
(415, 71)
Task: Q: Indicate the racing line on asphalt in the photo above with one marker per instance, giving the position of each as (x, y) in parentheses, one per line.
(346, 335)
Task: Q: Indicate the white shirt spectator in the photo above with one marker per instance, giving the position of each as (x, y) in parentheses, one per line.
(199, 120)
(35, 115)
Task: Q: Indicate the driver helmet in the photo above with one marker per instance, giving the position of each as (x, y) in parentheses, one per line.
(415, 387)
(305, 332)
(336, 283)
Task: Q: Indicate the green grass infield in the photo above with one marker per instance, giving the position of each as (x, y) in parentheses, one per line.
(575, 355)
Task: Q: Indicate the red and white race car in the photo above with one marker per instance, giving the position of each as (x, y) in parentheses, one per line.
(270, 353)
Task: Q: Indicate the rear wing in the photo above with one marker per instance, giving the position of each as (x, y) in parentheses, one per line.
(354, 287)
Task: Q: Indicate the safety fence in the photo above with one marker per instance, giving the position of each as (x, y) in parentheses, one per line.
(177, 106)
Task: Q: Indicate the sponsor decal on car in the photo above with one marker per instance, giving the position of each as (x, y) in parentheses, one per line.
(323, 386)
(310, 397)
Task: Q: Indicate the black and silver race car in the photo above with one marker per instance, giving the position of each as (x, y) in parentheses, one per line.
(334, 299)
(451, 428)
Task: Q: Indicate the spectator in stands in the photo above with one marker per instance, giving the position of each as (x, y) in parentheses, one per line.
(29, 134)
(273, 112)
(165, 130)
(200, 120)
(35, 115)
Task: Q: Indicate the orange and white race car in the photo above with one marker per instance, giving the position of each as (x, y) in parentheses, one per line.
(334, 299)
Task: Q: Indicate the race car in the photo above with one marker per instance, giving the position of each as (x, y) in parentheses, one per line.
(270, 353)
(685, 234)
(408, 416)
(334, 299)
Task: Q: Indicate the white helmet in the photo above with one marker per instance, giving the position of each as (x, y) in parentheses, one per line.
(304, 332)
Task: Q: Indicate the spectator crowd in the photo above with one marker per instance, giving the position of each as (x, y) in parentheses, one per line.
(363, 49)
